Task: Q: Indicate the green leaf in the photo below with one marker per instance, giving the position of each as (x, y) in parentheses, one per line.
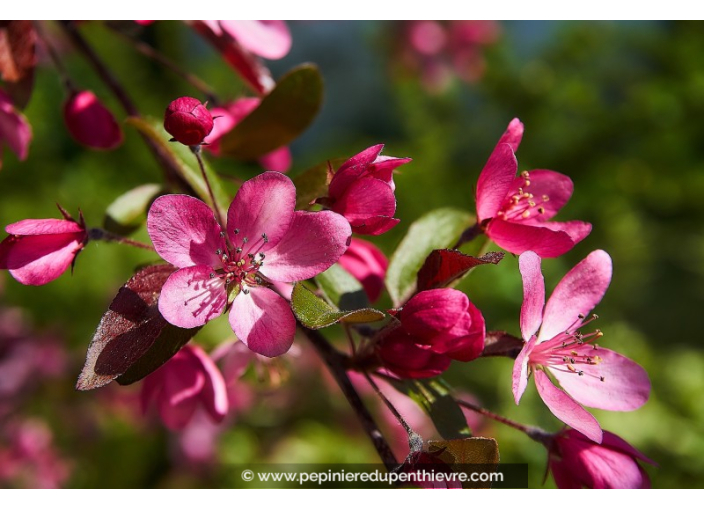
(314, 313)
(433, 396)
(129, 211)
(469, 455)
(437, 229)
(313, 183)
(342, 289)
(281, 116)
(184, 161)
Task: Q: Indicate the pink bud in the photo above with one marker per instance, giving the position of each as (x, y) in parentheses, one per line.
(399, 354)
(367, 264)
(90, 122)
(188, 121)
(39, 251)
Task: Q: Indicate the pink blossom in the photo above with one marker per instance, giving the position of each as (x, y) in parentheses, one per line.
(227, 117)
(90, 122)
(265, 241)
(188, 121)
(399, 354)
(15, 131)
(177, 388)
(266, 39)
(362, 190)
(576, 462)
(368, 264)
(39, 251)
(514, 211)
(561, 353)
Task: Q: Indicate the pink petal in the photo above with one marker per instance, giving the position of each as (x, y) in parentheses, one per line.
(399, 354)
(15, 131)
(184, 231)
(37, 260)
(263, 205)
(374, 226)
(366, 198)
(520, 370)
(278, 160)
(431, 312)
(177, 417)
(383, 168)
(533, 294)
(513, 134)
(263, 321)
(42, 227)
(225, 119)
(495, 181)
(368, 264)
(566, 409)
(614, 442)
(554, 186)
(214, 395)
(315, 241)
(90, 123)
(518, 238)
(353, 169)
(268, 39)
(625, 386)
(577, 230)
(577, 293)
(190, 297)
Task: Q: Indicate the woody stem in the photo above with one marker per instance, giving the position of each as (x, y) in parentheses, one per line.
(98, 234)
(532, 432)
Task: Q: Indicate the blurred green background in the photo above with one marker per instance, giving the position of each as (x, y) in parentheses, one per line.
(616, 106)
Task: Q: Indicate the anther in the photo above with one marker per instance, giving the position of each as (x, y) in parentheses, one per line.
(546, 198)
(541, 210)
(218, 252)
(245, 240)
(266, 239)
(237, 231)
(212, 275)
(222, 234)
(602, 378)
(525, 214)
(238, 250)
(581, 372)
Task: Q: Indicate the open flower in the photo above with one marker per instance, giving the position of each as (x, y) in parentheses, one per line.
(39, 251)
(231, 114)
(514, 211)
(186, 380)
(588, 374)
(15, 131)
(577, 462)
(265, 241)
(368, 264)
(362, 190)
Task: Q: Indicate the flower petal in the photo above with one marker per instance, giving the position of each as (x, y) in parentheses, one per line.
(614, 442)
(495, 181)
(268, 39)
(353, 169)
(43, 227)
(315, 241)
(263, 205)
(374, 226)
(368, 264)
(214, 396)
(263, 321)
(520, 370)
(577, 230)
(37, 260)
(366, 198)
(431, 312)
(533, 293)
(566, 409)
(184, 231)
(513, 134)
(278, 160)
(190, 297)
(577, 293)
(14, 128)
(519, 237)
(554, 186)
(625, 387)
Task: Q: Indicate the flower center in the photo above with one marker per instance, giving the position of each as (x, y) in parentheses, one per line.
(522, 204)
(566, 351)
(241, 264)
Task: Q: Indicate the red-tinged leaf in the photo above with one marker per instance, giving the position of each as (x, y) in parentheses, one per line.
(250, 68)
(133, 338)
(442, 267)
(500, 343)
(18, 59)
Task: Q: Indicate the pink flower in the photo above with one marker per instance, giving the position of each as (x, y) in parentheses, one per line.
(446, 322)
(576, 462)
(399, 354)
(362, 190)
(226, 118)
(514, 211)
(368, 264)
(15, 131)
(39, 251)
(186, 380)
(90, 123)
(588, 374)
(188, 121)
(265, 241)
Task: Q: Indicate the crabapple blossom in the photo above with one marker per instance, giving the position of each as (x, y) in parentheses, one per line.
(368, 264)
(233, 266)
(15, 131)
(188, 121)
(90, 122)
(514, 211)
(588, 374)
(362, 190)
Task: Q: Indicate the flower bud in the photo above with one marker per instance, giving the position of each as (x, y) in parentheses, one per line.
(90, 123)
(188, 121)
